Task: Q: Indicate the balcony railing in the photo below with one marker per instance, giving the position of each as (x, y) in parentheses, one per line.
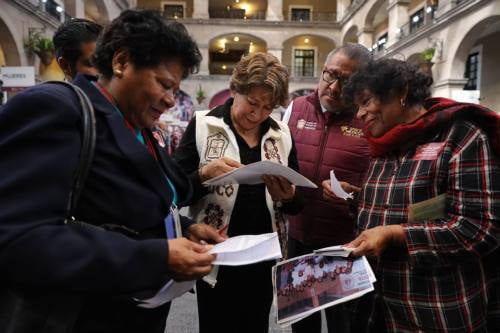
(237, 14)
(312, 17)
(411, 28)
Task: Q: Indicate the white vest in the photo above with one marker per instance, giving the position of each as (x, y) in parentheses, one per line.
(215, 139)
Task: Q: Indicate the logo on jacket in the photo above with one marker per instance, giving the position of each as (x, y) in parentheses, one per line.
(303, 124)
(216, 146)
(271, 151)
(351, 131)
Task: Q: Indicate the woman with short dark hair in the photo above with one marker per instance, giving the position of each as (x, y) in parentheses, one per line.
(69, 277)
(241, 132)
(429, 208)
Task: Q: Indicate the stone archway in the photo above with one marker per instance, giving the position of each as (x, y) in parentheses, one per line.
(225, 51)
(97, 11)
(351, 35)
(10, 55)
(481, 38)
(303, 51)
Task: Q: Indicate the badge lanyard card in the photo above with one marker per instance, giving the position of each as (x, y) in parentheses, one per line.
(173, 223)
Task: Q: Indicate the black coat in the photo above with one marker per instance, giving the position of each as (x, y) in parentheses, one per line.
(39, 148)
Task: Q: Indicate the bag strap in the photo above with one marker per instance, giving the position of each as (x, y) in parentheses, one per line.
(88, 146)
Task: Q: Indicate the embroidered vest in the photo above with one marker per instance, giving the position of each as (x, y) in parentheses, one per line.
(215, 139)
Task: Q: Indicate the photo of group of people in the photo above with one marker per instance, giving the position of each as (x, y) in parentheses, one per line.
(309, 283)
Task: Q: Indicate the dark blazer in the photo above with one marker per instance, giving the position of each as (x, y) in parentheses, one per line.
(39, 148)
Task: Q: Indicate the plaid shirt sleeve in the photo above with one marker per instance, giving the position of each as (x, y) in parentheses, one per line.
(473, 204)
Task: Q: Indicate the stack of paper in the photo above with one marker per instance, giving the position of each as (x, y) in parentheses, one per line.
(235, 251)
(310, 283)
(335, 251)
(252, 174)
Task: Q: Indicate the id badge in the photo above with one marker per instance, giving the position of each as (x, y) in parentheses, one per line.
(173, 223)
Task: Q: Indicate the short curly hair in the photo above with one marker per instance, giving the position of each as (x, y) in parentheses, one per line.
(387, 78)
(149, 39)
(261, 70)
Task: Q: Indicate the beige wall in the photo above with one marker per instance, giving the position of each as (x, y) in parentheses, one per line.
(415, 4)
(490, 72)
(380, 29)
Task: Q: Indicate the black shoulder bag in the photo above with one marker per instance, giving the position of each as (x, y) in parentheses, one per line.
(27, 311)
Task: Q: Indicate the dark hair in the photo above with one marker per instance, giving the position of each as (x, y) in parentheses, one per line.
(387, 78)
(356, 52)
(70, 35)
(149, 39)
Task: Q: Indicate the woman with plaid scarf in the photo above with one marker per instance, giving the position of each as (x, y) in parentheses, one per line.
(436, 262)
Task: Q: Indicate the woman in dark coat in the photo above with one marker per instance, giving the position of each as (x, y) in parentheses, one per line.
(68, 278)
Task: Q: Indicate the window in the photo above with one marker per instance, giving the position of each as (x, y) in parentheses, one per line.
(416, 20)
(300, 14)
(173, 11)
(303, 62)
(382, 40)
(472, 71)
(53, 8)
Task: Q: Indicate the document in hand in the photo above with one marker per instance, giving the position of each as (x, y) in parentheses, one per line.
(247, 249)
(334, 251)
(310, 283)
(252, 174)
(337, 189)
(235, 251)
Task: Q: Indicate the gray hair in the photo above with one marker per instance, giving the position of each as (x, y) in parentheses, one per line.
(354, 51)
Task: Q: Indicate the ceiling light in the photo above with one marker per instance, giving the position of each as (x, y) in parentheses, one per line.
(306, 40)
(224, 67)
(415, 19)
(59, 9)
(428, 9)
(236, 38)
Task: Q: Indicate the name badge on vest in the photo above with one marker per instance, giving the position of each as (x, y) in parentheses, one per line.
(303, 124)
(428, 151)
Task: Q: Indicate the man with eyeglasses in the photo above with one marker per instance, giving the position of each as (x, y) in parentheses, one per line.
(327, 136)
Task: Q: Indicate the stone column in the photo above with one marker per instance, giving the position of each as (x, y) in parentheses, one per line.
(398, 16)
(200, 9)
(274, 10)
(444, 6)
(205, 61)
(365, 37)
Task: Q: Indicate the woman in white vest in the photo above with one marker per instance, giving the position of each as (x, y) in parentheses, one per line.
(217, 141)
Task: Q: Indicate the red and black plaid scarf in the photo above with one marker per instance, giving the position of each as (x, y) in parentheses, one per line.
(441, 112)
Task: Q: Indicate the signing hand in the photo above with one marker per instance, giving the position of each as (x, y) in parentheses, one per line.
(203, 232)
(188, 260)
(372, 242)
(218, 167)
(327, 189)
(279, 187)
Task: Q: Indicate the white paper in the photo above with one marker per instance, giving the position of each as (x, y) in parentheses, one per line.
(247, 249)
(335, 251)
(168, 292)
(337, 189)
(252, 174)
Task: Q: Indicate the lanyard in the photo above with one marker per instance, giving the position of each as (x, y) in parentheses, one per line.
(140, 137)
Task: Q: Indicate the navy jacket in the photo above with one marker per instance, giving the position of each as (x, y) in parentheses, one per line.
(39, 148)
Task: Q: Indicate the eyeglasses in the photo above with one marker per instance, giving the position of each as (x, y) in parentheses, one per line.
(331, 77)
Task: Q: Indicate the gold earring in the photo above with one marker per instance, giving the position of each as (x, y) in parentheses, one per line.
(403, 103)
(118, 73)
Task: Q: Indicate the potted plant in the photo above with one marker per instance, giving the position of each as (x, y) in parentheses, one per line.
(42, 46)
(426, 64)
(200, 95)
